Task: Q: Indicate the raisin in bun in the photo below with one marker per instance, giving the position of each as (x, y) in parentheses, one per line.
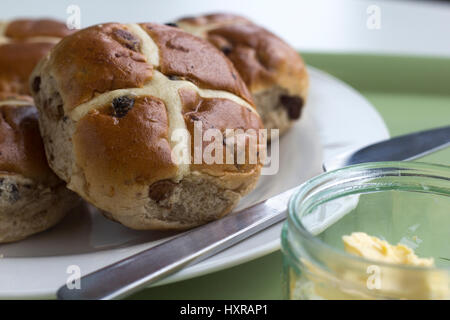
(22, 44)
(111, 97)
(273, 71)
(32, 198)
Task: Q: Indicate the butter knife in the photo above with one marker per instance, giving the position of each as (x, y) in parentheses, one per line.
(137, 271)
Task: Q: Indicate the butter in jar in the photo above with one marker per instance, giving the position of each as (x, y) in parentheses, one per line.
(327, 250)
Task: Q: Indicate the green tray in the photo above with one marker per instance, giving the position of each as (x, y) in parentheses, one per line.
(411, 94)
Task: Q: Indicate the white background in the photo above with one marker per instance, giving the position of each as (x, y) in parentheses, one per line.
(411, 27)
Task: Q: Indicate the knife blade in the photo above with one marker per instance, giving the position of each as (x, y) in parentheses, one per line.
(137, 271)
(406, 147)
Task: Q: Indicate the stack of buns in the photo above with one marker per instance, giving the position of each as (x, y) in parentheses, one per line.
(32, 197)
(119, 108)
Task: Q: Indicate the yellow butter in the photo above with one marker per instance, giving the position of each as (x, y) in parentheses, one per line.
(346, 280)
(373, 248)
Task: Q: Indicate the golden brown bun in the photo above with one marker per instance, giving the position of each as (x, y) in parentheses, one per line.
(111, 97)
(22, 44)
(22, 151)
(32, 198)
(273, 71)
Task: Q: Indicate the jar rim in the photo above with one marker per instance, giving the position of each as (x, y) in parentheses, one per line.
(421, 168)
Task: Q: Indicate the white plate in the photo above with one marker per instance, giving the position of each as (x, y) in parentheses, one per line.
(336, 119)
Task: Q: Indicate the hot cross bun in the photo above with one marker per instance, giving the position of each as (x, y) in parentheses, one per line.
(273, 71)
(23, 43)
(32, 198)
(118, 101)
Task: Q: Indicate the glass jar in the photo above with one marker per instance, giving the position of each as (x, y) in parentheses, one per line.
(400, 202)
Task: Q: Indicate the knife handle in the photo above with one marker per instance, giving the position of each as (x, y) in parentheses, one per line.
(135, 272)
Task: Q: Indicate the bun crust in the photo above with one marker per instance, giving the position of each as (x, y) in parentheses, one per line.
(22, 151)
(111, 99)
(273, 71)
(22, 44)
(32, 198)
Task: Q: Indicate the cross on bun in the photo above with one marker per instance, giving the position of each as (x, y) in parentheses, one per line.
(32, 198)
(23, 43)
(112, 97)
(273, 71)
